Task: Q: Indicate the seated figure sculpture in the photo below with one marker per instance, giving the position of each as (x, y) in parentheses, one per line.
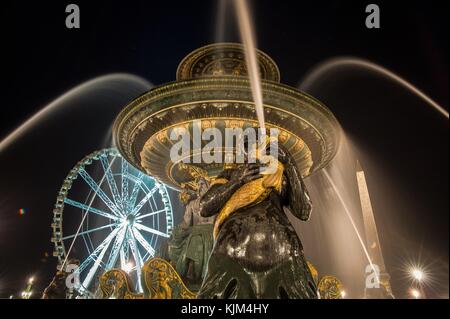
(257, 253)
(191, 241)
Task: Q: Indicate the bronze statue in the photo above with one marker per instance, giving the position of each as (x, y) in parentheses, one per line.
(257, 253)
(191, 241)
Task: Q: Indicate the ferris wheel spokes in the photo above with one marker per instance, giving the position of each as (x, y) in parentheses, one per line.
(99, 192)
(137, 258)
(102, 248)
(124, 256)
(135, 191)
(85, 208)
(118, 242)
(139, 217)
(143, 242)
(151, 230)
(124, 180)
(89, 231)
(144, 200)
(112, 183)
(93, 256)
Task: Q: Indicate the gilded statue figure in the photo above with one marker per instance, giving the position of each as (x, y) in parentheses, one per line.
(257, 253)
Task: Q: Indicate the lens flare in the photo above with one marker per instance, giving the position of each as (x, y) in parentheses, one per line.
(417, 274)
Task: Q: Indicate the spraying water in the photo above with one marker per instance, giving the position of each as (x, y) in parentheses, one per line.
(335, 63)
(347, 212)
(333, 238)
(95, 85)
(35, 157)
(220, 25)
(247, 36)
(252, 66)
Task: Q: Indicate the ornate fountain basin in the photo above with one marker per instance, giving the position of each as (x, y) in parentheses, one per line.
(212, 87)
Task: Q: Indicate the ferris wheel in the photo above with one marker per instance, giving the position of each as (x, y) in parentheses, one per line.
(109, 215)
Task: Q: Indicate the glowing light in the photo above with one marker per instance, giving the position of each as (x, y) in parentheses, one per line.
(415, 293)
(22, 211)
(30, 280)
(128, 267)
(417, 274)
(26, 294)
(343, 294)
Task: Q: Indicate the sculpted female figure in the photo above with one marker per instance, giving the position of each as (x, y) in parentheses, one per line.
(257, 253)
(191, 241)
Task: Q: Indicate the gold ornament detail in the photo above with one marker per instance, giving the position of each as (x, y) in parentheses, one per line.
(115, 284)
(250, 193)
(195, 174)
(224, 59)
(330, 287)
(314, 272)
(162, 281)
(212, 86)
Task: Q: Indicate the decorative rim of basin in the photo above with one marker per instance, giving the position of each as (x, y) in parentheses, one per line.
(141, 130)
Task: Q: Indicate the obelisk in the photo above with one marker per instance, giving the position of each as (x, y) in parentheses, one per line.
(372, 240)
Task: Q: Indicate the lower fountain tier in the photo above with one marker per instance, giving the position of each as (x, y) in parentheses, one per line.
(142, 130)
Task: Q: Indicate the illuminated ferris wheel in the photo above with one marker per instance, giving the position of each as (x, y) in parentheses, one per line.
(109, 215)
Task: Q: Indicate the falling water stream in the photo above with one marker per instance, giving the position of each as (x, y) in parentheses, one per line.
(111, 82)
(339, 187)
(336, 63)
(248, 39)
(247, 36)
(347, 212)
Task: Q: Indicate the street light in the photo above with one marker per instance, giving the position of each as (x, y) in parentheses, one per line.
(27, 293)
(415, 293)
(417, 274)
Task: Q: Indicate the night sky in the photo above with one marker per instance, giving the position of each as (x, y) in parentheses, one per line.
(395, 132)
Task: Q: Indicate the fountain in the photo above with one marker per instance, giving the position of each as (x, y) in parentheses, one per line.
(213, 90)
(213, 86)
(227, 86)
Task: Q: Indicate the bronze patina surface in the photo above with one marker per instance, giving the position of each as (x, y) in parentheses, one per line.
(212, 86)
(224, 59)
